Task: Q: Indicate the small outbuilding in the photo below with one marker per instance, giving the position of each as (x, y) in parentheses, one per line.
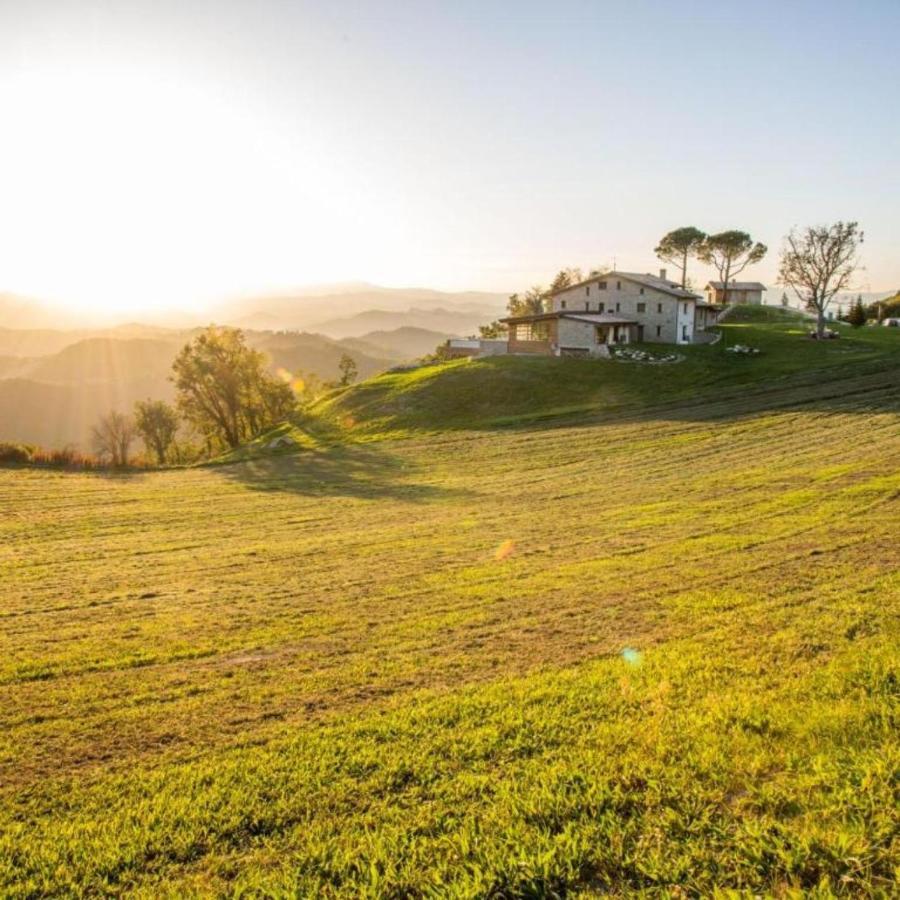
(737, 292)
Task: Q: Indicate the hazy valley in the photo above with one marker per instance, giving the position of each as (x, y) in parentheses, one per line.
(55, 384)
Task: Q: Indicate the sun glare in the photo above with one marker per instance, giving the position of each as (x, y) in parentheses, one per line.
(129, 190)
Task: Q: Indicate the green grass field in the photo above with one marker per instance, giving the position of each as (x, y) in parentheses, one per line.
(509, 391)
(589, 628)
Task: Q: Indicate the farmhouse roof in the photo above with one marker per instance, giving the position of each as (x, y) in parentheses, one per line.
(738, 286)
(647, 280)
(593, 318)
(599, 318)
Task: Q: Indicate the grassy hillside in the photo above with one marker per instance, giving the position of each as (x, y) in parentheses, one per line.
(648, 656)
(506, 390)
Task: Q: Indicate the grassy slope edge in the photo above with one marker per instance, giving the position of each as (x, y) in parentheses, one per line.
(520, 390)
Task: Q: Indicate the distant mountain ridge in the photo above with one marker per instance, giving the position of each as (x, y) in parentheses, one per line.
(54, 392)
(299, 308)
(440, 320)
(406, 307)
(60, 372)
(407, 342)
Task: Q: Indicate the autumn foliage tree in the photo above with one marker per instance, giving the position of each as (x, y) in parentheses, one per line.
(157, 424)
(224, 389)
(566, 278)
(531, 303)
(535, 301)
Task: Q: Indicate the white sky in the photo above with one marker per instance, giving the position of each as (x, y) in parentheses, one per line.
(163, 154)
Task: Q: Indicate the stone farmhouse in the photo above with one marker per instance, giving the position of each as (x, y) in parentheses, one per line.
(614, 308)
(738, 292)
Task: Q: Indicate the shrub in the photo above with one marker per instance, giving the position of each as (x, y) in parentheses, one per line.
(11, 454)
(64, 458)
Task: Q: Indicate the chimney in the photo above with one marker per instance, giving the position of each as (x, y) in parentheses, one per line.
(662, 274)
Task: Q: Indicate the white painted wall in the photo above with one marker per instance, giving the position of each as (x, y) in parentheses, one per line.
(684, 327)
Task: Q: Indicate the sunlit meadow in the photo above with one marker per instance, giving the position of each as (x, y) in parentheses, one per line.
(649, 653)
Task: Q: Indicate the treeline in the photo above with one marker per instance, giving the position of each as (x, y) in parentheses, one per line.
(859, 312)
(224, 397)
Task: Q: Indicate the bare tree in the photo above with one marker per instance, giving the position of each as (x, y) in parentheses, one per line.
(730, 252)
(676, 246)
(113, 436)
(818, 262)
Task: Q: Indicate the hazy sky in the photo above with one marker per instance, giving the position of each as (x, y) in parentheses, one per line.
(170, 152)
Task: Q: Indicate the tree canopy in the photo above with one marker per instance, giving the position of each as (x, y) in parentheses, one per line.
(534, 301)
(531, 303)
(493, 330)
(729, 253)
(224, 389)
(857, 313)
(566, 278)
(676, 246)
(348, 369)
(157, 424)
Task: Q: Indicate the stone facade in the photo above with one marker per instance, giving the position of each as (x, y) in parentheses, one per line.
(662, 317)
(460, 347)
(569, 334)
(573, 335)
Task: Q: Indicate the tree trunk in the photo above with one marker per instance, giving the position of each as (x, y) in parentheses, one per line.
(820, 322)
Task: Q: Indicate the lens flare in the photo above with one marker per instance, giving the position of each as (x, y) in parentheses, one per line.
(631, 656)
(505, 550)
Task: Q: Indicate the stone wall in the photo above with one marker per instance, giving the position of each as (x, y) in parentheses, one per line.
(655, 310)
